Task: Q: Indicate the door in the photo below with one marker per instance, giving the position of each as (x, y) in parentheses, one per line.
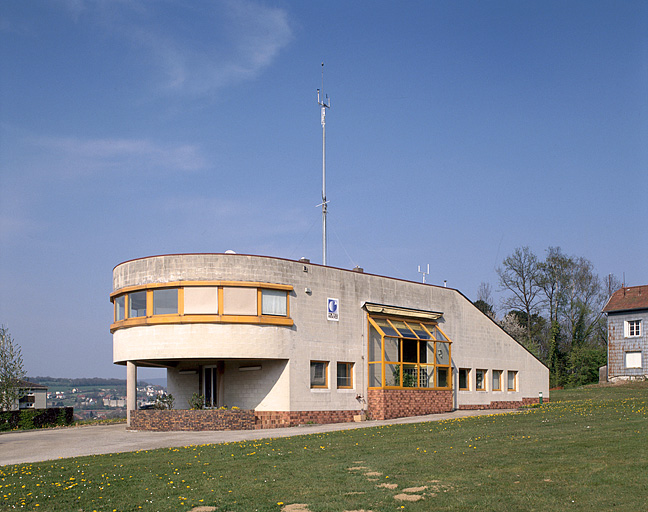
(210, 383)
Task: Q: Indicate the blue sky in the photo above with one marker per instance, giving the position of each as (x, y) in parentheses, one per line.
(458, 132)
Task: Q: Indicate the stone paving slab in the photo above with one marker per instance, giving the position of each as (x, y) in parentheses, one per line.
(60, 443)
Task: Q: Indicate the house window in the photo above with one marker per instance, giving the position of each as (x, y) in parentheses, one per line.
(136, 304)
(633, 328)
(210, 386)
(464, 379)
(480, 380)
(633, 359)
(201, 300)
(165, 301)
(512, 380)
(497, 380)
(319, 374)
(407, 353)
(274, 302)
(345, 375)
(120, 308)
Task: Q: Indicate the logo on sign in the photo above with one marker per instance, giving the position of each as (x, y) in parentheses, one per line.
(333, 309)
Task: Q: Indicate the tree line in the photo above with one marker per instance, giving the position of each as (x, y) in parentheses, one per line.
(553, 307)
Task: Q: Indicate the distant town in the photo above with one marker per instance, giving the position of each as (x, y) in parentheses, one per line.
(95, 398)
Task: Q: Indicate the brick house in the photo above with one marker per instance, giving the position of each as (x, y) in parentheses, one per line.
(293, 342)
(627, 318)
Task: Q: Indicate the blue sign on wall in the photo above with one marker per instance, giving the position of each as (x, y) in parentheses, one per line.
(333, 309)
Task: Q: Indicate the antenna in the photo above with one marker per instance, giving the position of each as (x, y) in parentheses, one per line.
(324, 103)
(424, 273)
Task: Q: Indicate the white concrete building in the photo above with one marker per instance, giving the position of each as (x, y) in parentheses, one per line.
(295, 341)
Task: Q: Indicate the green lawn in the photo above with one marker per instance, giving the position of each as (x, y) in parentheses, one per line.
(586, 450)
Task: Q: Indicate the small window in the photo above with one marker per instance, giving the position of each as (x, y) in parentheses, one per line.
(319, 374)
(136, 304)
(464, 379)
(345, 375)
(443, 353)
(480, 380)
(633, 328)
(165, 301)
(512, 380)
(633, 359)
(274, 302)
(497, 380)
(120, 308)
(442, 377)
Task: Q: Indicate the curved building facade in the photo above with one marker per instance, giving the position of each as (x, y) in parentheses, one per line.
(296, 342)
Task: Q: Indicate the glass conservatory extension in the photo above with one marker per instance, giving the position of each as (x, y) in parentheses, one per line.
(406, 353)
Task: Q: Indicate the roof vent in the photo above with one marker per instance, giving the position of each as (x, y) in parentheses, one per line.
(229, 251)
(304, 259)
(358, 269)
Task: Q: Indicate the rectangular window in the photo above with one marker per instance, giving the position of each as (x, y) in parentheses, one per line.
(136, 304)
(633, 359)
(633, 328)
(165, 301)
(442, 378)
(497, 380)
(274, 302)
(120, 308)
(319, 374)
(201, 300)
(480, 380)
(512, 380)
(464, 379)
(345, 375)
(239, 301)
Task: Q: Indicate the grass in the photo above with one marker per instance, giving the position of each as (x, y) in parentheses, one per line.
(586, 450)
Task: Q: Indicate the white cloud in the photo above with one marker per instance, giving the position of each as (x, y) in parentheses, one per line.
(196, 48)
(79, 156)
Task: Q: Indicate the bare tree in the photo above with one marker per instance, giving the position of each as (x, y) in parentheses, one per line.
(11, 371)
(519, 275)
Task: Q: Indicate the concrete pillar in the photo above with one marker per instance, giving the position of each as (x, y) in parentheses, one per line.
(131, 390)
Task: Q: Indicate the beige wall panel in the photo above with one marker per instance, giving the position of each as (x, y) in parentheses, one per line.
(201, 300)
(239, 301)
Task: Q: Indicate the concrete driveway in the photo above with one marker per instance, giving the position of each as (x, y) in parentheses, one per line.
(61, 443)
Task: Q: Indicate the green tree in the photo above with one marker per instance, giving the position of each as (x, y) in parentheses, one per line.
(11, 371)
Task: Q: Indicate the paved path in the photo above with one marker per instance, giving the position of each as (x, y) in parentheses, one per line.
(58, 443)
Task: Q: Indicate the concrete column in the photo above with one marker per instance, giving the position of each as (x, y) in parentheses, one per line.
(131, 390)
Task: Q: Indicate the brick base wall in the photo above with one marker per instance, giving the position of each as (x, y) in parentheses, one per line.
(278, 419)
(156, 420)
(384, 404)
(503, 404)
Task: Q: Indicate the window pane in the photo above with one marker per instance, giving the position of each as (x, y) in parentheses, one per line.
(497, 380)
(633, 359)
(318, 374)
(418, 329)
(403, 329)
(392, 352)
(480, 379)
(511, 381)
(375, 344)
(120, 307)
(409, 376)
(392, 375)
(409, 350)
(463, 378)
(239, 301)
(443, 353)
(274, 302)
(375, 377)
(426, 377)
(442, 377)
(344, 375)
(201, 300)
(136, 304)
(385, 326)
(165, 302)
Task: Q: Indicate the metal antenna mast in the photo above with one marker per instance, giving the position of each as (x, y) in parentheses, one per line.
(324, 102)
(424, 272)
